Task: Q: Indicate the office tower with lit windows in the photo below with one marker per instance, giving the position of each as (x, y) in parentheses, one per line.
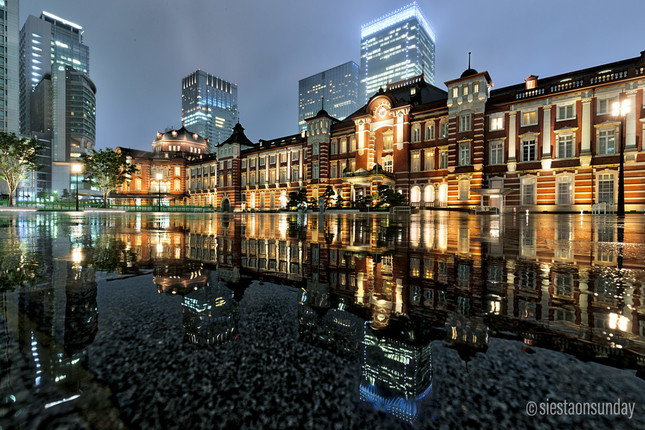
(57, 96)
(208, 106)
(340, 88)
(9, 96)
(396, 47)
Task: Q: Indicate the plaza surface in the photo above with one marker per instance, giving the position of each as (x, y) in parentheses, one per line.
(439, 319)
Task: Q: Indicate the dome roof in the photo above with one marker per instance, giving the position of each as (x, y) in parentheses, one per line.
(469, 72)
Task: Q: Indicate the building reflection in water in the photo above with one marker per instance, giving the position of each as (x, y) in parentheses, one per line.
(567, 282)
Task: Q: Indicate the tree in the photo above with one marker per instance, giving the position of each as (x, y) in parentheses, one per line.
(296, 198)
(18, 157)
(388, 197)
(107, 169)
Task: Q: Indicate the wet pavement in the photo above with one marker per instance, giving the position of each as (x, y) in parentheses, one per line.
(353, 321)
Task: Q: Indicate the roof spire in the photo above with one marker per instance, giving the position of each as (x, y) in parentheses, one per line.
(469, 59)
(322, 103)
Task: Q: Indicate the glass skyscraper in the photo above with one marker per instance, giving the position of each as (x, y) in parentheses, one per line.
(208, 106)
(396, 47)
(46, 44)
(340, 88)
(9, 96)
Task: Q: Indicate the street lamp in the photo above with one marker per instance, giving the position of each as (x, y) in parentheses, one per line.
(77, 168)
(159, 176)
(621, 109)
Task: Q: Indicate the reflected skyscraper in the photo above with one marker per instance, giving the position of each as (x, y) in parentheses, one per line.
(208, 106)
(396, 47)
(340, 88)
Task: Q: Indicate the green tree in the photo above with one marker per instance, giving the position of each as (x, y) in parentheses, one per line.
(388, 197)
(106, 169)
(18, 157)
(296, 198)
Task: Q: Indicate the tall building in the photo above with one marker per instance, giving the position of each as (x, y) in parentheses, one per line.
(208, 106)
(46, 43)
(340, 88)
(57, 96)
(9, 66)
(396, 47)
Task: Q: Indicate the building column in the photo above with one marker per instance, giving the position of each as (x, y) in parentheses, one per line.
(630, 122)
(512, 138)
(585, 147)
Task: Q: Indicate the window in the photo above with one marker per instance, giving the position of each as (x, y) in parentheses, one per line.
(464, 153)
(564, 190)
(252, 180)
(243, 164)
(177, 171)
(443, 158)
(137, 184)
(252, 162)
(294, 173)
(387, 164)
(272, 159)
(464, 122)
(565, 146)
(605, 105)
(496, 153)
(497, 123)
(272, 176)
(443, 128)
(475, 88)
(529, 118)
(243, 179)
(416, 133)
(343, 145)
(283, 175)
(428, 162)
(429, 131)
(416, 161)
(455, 92)
(388, 141)
(333, 147)
(262, 178)
(528, 191)
(465, 90)
(352, 144)
(606, 188)
(334, 170)
(314, 170)
(262, 161)
(177, 185)
(529, 150)
(565, 112)
(229, 179)
(294, 156)
(606, 142)
(464, 189)
(314, 148)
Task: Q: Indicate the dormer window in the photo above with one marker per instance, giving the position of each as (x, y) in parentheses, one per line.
(465, 90)
(455, 92)
(413, 91)
(531, 82)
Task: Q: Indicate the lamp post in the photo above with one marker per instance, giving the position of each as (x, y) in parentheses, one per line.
(159, 176)
(77, 168)
(621, 109)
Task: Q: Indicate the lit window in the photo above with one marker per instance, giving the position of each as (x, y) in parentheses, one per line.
(529, 118)
(528, 191)
(464, 189)
(497, 123)
(294, 156)
(416, 133)
(177, 171)
(455, 92)
(416, 162)
(475, 88)
(465, 90)
(428, 162)
(443, 128)
(387, 164)
(314, 170)
(443, 158)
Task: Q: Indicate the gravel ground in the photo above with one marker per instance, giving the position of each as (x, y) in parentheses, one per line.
(149, 377)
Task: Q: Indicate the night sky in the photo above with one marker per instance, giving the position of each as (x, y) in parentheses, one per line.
(141, 49)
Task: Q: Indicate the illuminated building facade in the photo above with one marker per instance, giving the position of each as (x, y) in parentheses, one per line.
(57, 98)
(170, 155)
(208, 106)
(338, 87)
(396, 47)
